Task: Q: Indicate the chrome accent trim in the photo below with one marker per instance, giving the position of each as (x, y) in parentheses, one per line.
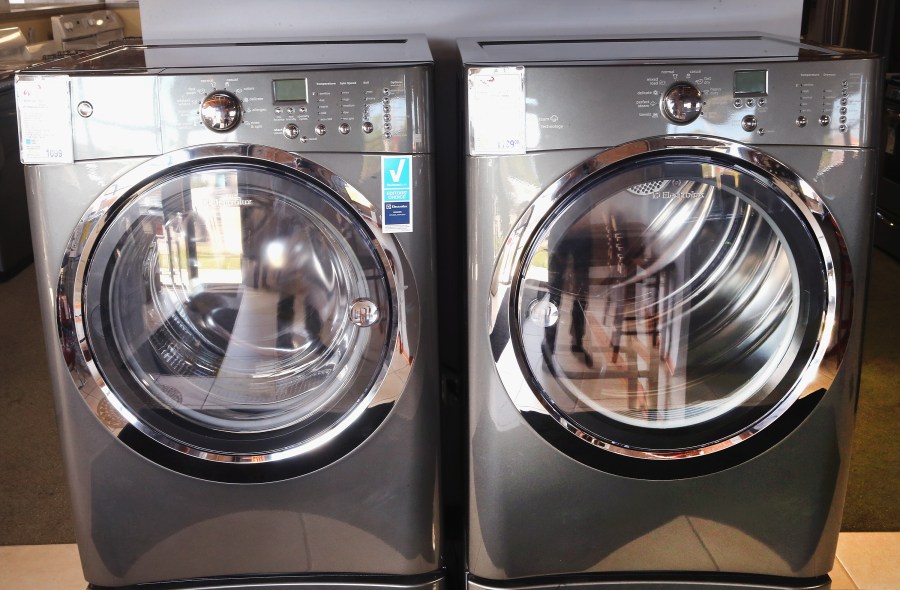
(819, 370)
(80, 359)
(756, 582)
(359, 583)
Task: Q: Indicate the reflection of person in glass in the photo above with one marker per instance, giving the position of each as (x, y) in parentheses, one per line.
(570, 254)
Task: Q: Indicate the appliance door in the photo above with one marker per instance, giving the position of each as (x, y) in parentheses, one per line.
(230, 312)
(668, 300)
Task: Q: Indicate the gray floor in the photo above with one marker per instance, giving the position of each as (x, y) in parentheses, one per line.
(34, 507)
(34, 503)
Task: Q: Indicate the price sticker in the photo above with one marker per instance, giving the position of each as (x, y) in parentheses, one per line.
(45, 124)
(497, 110)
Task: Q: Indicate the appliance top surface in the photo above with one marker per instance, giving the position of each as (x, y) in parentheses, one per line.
(733, 47)
(13, 51)
(136, 59)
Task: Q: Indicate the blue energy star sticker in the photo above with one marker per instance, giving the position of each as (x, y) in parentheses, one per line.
(396, 193)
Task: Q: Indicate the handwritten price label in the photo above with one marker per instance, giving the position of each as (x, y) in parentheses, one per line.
(496, 110)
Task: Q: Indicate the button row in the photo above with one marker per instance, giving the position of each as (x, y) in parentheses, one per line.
(291, 131)
(386, 109)
(289, 110)
(824, 121)
(749, 102)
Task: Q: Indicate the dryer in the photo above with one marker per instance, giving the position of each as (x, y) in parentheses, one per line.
(234, 252)
(668, 247)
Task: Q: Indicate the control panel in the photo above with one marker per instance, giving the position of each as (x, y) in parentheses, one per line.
(778, 102)
(322, 110)
(86, 30)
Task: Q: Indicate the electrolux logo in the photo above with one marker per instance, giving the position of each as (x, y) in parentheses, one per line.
(675, 195)
(224, 202)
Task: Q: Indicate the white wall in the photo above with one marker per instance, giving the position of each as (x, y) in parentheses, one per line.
(442, 20)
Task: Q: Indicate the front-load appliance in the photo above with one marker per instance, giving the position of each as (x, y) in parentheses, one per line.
(668, 243)
(234, 254)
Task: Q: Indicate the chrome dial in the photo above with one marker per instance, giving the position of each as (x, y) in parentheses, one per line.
(220, 111)
(682, 103)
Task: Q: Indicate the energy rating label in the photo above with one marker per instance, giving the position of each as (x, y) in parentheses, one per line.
(396, 194)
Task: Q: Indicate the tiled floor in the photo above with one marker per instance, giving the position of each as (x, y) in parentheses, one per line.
(865, 561)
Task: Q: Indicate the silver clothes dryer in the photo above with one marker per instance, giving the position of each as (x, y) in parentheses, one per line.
(668, 247)
(234, 252)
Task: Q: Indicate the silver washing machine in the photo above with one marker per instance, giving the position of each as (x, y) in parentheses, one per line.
(668, 245)
(234, 254)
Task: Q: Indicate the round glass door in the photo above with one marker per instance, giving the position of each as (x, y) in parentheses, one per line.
(668, 307)
(237, 312)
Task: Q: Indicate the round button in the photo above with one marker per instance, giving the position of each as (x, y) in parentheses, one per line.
(749, 102)
(367, 127)
(291, 131)
(290, 110)
(220, 111)
(85, 109)
(682, 103)
(801, 121)
(843, 110)
(386, 91)
(277, 110)
(842, 119)
(320, 129)
(843, 101)
(344, 129)
(824, 120)
(749, 123)
(843, 128)
(761, 102)
(738, 103)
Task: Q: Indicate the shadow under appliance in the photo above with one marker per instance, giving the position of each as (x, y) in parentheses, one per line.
(242, 346)
(668, 245)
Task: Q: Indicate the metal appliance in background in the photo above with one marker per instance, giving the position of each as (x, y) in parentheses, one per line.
(887, 216)
(234, 252)
(87, 30)
(668, 250)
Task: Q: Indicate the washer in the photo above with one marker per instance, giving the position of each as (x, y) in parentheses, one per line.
(242, 346)
(668, 247)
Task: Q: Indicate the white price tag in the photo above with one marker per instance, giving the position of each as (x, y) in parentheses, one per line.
(45, 124)
(497, 110)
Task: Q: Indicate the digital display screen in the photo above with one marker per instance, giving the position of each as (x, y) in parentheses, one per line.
(290, 90)
(751, 82)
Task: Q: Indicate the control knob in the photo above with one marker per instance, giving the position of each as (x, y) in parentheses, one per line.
(682, 103)
(221, 111)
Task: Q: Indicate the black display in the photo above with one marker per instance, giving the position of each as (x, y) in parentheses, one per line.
(290, 90)
(751, 82)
